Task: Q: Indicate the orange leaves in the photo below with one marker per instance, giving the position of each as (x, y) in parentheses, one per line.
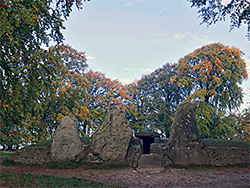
(36, 17)
(122, 107)
(4, 105)
(63, 90)
(81, 111)
(59, 117)
(244, 124)
(216, 80)
(212, 68)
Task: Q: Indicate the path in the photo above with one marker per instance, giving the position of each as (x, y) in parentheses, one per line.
(148, 177)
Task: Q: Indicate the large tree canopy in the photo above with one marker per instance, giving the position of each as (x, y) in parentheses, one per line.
(154, 98)
(25, 26)
(212, 11)
(39, 86)
(212, 75)
(25, 68)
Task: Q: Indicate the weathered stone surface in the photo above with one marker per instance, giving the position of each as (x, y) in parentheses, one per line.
(151, 160)
(147, 134)
(184, 146)
(32, 155)
(166, 161)
(156, 148)
(111, 141)
(66, 145)
(134, 152)
(222, 156)
(83, 155)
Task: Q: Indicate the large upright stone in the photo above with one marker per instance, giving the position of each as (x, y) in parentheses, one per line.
(66, 145)
(135, 151)
(111, 141)
(184, 146)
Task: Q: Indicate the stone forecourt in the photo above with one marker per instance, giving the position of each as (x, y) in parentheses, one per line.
(115, 143)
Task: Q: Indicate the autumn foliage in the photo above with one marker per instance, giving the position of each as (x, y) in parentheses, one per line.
(39, 86)
(211, 75)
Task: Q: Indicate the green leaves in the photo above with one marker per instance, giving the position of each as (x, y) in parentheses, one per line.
(211, 75)
(154, 100)
(27, 71)
(39, 87)
(212, 12)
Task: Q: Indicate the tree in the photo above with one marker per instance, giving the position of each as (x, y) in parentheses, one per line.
(211, 76)
(67, 89)
(242, 124)
(102, 95)
(19, 101)
(26, 68)
(212, 11)
(154, 98)
(37, 121)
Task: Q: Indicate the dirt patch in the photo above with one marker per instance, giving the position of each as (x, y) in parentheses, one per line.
(151, 177)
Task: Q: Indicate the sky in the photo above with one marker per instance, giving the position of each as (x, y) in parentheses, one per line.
(126, 39)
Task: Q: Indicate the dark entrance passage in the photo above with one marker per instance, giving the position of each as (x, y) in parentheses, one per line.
(146, 144)
(147, 139)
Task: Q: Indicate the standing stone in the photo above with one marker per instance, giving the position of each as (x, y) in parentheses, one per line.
(66, 145)
(184, 146)
(111, 141)
(134, 152)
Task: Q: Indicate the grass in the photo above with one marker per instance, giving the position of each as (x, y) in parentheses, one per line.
(225, 143)
(49, 165)
(85, 139)
(60, 165)
(6, 154)
(13, 179)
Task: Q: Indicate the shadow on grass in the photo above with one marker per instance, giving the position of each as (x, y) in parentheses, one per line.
(72, 165)
(13, 179)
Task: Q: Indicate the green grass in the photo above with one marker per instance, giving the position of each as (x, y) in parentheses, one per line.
(85, 139)
(60, 165)
(6, 154)
(49, 165)
(13, 179)
(225, 143)
(44, 143)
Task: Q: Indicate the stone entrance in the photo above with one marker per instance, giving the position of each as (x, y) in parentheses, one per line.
(147, 139)
(148, 158)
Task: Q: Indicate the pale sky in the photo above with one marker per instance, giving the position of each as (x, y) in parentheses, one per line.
(126, 39)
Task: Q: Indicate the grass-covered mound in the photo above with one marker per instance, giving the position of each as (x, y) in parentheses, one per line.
(224, 143)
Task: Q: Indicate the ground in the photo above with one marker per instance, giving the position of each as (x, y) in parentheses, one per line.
(151, 177)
